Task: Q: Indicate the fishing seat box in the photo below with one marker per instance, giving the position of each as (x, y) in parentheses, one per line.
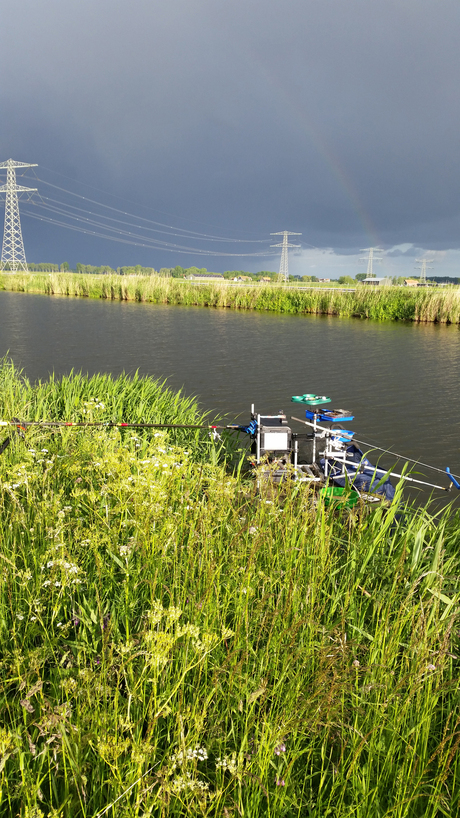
(275, 437)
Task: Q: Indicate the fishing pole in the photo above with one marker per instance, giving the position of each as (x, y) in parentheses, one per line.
(394, 474)
(401, 456)
(332, 433)
(23, 424)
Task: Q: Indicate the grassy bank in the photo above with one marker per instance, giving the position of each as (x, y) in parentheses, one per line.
(170, 639)
(388, 303)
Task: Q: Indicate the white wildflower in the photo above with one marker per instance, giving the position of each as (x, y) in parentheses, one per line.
(228, 763)
(181, 757)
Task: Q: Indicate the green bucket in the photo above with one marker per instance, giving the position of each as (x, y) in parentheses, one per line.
(344, 497)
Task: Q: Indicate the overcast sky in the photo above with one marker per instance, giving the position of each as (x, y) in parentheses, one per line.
(337, 119)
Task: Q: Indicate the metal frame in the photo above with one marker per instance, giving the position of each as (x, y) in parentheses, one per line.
(283, 273)
(13, 253)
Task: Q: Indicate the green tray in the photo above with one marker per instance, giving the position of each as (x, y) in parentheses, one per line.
(310, 400)
(343, 497)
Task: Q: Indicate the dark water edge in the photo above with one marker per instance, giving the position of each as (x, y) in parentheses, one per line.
(400, 380)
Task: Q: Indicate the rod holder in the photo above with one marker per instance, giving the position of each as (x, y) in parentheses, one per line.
(452, 478)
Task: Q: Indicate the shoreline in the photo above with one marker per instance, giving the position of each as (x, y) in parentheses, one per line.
(386, 304)
(157, 609)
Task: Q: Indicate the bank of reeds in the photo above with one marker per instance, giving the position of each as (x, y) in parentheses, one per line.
(173, 644)
(385, 303)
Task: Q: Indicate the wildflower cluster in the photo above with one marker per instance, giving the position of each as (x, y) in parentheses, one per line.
(61, 573)
(231, 764)
(183, 756)
(91, 405)
(187, 782)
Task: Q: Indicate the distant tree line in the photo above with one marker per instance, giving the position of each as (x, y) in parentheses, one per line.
(186, 272)
(105, 270)
(43, 268)
(169, 272)
(445, 279)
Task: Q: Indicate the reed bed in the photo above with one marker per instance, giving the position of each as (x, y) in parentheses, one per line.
(173, 643)
(385, 303)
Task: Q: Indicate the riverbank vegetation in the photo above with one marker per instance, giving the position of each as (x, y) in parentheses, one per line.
(175, 644)
(379, 303)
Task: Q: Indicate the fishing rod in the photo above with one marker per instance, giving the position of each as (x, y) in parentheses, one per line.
(401, 456)
(334, 433)
(21, 427)
(23, 424)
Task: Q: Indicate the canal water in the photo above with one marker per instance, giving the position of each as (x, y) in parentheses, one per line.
(400, 380)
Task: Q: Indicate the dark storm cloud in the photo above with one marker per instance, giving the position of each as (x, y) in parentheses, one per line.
(336, 118)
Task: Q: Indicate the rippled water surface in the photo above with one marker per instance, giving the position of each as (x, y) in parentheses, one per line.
(401, 380)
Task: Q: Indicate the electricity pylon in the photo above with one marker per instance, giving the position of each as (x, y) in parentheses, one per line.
(370, 259)
(283, 274)
(13, 253)
(423, 268)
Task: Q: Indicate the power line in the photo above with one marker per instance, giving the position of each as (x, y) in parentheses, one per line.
(115, 196)
(142, 218)
(143, 243)
(62, 208)
(116, 227)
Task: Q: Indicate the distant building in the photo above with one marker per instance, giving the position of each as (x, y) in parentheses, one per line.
(377, 282)
(206, 277)
(324, 280)
(410, 282)
(264, 278)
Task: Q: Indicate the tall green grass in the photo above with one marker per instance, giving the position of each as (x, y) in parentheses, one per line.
(175, 644)
(386, 303)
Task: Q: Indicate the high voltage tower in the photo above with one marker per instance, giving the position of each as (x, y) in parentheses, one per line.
(284, 275)
(423, 268)
(13, 253)
(370, 259)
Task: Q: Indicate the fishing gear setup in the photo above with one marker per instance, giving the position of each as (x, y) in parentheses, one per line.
(332, 456)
